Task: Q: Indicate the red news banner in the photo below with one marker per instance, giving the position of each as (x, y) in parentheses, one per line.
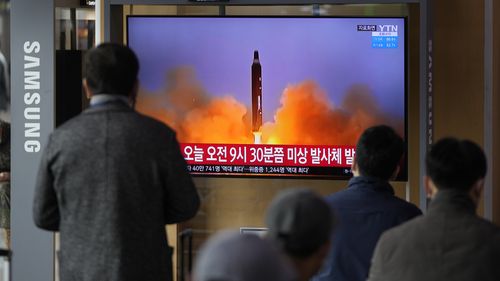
(268, 155)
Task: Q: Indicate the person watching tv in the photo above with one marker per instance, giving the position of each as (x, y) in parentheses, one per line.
(450, 242)
(367, 207)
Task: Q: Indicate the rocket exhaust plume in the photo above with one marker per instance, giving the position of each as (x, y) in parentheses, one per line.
(308, 116)
(257, 137)
(256, 93)
(194, 114)
(305, 116)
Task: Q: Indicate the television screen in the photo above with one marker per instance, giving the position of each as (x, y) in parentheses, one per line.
(271, 96)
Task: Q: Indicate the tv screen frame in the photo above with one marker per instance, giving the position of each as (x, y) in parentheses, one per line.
(262, 169)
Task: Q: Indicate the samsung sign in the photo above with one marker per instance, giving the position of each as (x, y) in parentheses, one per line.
(32, 54)
(31, 96)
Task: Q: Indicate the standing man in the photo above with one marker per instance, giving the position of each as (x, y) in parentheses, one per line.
(450, 242)
(110, 179)
(367, 207)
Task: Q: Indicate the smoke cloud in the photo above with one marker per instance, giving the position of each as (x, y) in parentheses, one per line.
(305, 116)
(194, 114)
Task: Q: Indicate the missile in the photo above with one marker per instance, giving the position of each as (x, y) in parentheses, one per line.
(256, 93)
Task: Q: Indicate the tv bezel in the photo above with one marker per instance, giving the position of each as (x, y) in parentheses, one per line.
(403, 173)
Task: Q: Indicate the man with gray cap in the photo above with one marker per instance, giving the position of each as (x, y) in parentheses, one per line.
(230, 256)
(300, 223)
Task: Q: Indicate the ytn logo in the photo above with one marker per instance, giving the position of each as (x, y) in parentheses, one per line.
(388, 28)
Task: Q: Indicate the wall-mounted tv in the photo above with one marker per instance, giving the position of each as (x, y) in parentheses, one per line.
(271, 96)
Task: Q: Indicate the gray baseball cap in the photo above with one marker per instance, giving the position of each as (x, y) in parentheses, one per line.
(299, 221)
(231, 256)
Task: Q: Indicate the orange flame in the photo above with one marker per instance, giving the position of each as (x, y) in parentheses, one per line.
(306, 115)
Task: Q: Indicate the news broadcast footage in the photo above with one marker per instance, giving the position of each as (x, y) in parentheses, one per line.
(268, 96)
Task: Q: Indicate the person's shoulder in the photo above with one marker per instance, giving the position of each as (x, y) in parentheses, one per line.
(405, 206)
(406, 229)
(68, 125)
(339, 196)
(488, 228)
(392, 240)
(64, 133)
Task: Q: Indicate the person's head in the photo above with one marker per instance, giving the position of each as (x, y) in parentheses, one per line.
(378, 153)
(300, 222)
(231, 256)
(454, 164)
(111, 68)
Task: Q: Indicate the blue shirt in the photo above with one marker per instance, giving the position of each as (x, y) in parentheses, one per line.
(102, 99)
(364, 211)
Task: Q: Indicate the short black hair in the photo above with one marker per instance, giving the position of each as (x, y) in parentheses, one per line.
(111, 68)
(299, 222)
(378, 152)
(455, 164)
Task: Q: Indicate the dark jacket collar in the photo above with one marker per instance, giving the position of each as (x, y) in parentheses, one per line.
(103, 99)
(105, 102)
(374, 184)
(452, 201)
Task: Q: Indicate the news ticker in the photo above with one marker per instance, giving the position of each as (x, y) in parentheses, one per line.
(248, 155)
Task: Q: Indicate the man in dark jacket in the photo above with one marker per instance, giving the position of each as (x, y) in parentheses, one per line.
(110, 179)
(450, 242)
(367, 207)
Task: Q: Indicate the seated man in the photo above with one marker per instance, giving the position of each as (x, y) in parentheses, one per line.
(230, 256)
(367, 207)
(300, 223)
(450, 242)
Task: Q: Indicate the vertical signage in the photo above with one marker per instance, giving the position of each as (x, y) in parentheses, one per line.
(32, 96)
(489, 129)
(426, 92)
